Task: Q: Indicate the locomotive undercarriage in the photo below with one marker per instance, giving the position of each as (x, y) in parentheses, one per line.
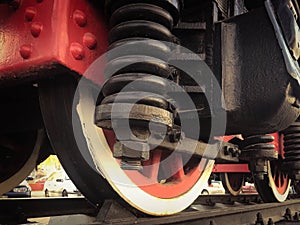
(135, 142)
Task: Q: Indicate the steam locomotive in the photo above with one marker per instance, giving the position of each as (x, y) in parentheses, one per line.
(138, 97)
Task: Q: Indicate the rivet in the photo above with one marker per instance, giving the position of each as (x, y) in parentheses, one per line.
(25, 51)
(77, 51)
(80, 18)
(30, 13)
(36, 29)
(89, 40)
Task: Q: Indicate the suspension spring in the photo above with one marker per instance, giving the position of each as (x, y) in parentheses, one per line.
(258, 149)
(138, 71)
(292, 149)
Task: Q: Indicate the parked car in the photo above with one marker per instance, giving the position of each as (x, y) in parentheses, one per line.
(249, 188)
(59, 184)
(37, 185)
(214, 187)
(23, 190)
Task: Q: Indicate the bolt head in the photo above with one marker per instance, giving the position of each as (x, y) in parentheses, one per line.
(30, 13)
(25, 51)
(36, 29)
(90, 41)
(77, 51)
(80, 18)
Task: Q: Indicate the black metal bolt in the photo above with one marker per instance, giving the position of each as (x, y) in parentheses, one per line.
(226, 150)
(288, 214)
(232, 151)
(212, 222)
(259, 219)
(296, 216)
(270, 222)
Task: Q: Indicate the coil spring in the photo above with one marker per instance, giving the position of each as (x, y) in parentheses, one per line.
(141, 26)
(257, 149)
(259, 142)
(292, 142)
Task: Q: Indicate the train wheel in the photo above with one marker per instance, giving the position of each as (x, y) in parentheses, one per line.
(19, 154)
(233, 182)
(275, 185)
(88, 158)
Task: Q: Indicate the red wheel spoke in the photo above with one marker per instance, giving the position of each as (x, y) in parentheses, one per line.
(279, 180)
(173, 166)
(275, 173)
(151, 167)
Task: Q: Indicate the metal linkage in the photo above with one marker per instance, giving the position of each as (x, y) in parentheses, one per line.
(138, 69)
(258, 149)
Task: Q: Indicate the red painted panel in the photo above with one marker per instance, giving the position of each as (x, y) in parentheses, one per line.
(231, 168)
(42, 33)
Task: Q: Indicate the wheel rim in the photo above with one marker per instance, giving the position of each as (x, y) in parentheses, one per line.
(279, 179)
(27, 147)
(183, 178)
(276, 183)
(233, 182)
(151, 198)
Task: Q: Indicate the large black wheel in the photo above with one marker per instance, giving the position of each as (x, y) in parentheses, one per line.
(275, 185)
(89, 162)
(19, 154)
(56, 99)
(232, 182)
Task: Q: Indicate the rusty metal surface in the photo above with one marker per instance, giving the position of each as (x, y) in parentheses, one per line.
(120, 111)
(39, 35)
(249, 77)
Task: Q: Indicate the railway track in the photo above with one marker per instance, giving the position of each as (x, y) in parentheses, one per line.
(207, 210)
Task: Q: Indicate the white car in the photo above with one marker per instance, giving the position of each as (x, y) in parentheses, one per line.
(215, 187)
(59, 184)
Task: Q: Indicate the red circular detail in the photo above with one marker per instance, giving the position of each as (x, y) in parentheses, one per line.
(30, 13)
(25, 51)
(80, 18)
(36, 29)
(90, 41)
(77, 51)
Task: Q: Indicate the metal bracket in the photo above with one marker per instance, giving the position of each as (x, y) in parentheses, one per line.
(292, 65)
(219, 151)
